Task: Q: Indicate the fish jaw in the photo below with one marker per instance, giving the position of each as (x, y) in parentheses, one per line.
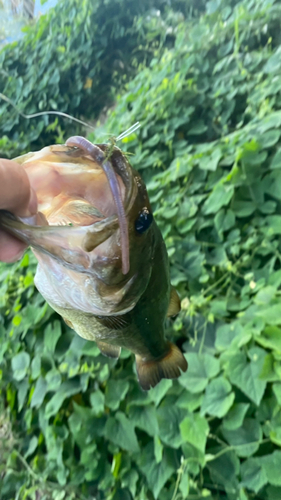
(75, 295)
(95, 286)
(65, 244)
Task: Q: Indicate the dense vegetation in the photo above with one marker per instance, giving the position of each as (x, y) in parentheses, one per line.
(76, 425)
(73, 61)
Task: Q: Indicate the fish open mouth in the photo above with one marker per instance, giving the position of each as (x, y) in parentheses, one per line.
(80, 184)
(103, 160)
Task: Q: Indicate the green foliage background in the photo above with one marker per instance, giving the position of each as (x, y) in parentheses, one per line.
(75, 425)
(73, 61)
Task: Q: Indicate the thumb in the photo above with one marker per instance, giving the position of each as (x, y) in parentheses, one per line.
(16, 194)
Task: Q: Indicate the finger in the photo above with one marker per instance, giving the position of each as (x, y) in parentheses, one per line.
(16, 194)
(11, 249)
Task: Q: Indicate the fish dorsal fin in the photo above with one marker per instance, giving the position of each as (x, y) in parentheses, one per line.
(175, 303)
(109, 350)
(114, 322)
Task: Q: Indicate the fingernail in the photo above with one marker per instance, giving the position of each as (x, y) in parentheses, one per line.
(32, 206)
(18, 255)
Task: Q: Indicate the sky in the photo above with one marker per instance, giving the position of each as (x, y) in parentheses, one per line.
(42, 9)
(11, 26)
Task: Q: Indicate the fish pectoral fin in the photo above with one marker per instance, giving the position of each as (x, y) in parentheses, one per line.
(111, 351)
(114, 322)
(170, 366)
(175, 303)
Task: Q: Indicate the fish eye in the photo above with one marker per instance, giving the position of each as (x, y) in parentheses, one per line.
(143, 221)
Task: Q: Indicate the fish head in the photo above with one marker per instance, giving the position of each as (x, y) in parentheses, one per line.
(99, 233)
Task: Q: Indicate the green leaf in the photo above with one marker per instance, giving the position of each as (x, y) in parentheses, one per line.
(145, 418)
(198, 128)
(218, 398)
(274, 63)
(90, 349)
(245, 375)
(276, 160)
(272, 186)
(115, 392)
(121, 494)
(224, 470)
(157, 474)
(120, 431)
(20, 365)
(246, 439)
(40, 390)
(271, 315)
(157, 393)
(51, 335)
(129, 480)
(212, 6)
(273, 493)
(235, 416)
(169, 419)
(97, 402)
(273, 428)
(269, 138)
(224, 220)
(228, 334)
(265, 295)
(243, 208)
(269, 372)
(275, 279)
(53, 379)
(252, 474)
(158, 449)
(201, 367)
(36, 367)
(184, 484)
(189, 401)
(22, 393)
(271, 465)
(33, 443)
(219, 197)
(67, 389)
(210, 162)
(84, 427)
(274, 224)
(270, 338)
(277, 391)
(194, 430)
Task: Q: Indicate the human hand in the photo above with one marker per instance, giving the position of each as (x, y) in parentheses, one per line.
(16, 196)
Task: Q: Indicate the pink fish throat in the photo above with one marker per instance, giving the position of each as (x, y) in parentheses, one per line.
(100, 158)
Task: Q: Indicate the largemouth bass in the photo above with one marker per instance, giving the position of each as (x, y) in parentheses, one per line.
(102, 261)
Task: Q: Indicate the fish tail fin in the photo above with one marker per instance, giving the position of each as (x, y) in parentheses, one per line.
(150, 372)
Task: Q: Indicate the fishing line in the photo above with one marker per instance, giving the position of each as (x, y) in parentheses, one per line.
(42, 113)
(127, 132)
